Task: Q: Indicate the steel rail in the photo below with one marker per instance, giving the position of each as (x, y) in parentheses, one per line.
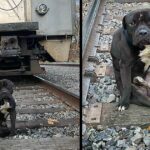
(88, 23)
(65, 64)
(67, 97)
(90, 50)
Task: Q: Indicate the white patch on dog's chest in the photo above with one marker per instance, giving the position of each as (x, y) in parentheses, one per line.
(141, 15)
(4, 108)
(145, 57)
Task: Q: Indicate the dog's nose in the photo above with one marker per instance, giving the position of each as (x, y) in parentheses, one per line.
(142, 32)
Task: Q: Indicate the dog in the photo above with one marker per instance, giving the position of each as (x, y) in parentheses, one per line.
(7, 107)
(126, 50)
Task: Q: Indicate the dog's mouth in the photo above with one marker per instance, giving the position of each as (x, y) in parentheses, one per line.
(141, 41)
(141, 44)
(144, 42)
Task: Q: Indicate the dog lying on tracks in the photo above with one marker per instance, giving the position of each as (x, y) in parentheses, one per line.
(128, 42)
(7, 107)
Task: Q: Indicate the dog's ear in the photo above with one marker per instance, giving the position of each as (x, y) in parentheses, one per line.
(5, 84)
(124, 22)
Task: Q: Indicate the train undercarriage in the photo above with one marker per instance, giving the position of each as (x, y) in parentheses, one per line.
(20, 50)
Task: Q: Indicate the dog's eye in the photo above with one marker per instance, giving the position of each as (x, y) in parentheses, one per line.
(132, 24)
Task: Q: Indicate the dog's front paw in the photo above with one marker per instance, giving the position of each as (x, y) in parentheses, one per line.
(122, 107)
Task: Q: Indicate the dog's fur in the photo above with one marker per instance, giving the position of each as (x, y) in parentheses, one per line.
(145, 57)
(127, 43)
(6, 91)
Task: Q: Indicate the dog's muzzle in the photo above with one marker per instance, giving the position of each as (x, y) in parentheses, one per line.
(141, 36)
(143, 32)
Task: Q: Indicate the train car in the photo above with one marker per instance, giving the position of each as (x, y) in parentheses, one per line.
(45, 34)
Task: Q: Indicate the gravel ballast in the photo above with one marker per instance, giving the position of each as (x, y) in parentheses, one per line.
(117, 138)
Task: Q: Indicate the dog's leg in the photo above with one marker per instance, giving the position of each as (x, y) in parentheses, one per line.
(117, 75)
(125, 71)
(12, 113)
(13, 120)
(11, 101)
(139, 80)
(138, 98)
(118, 81)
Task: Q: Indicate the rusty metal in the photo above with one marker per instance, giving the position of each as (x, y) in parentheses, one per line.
(88, 23)
(20, 49)
(67, 97)
(64, 64)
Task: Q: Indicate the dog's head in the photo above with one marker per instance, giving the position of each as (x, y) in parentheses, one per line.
(6, 100)
(137, 25)
(4, 97)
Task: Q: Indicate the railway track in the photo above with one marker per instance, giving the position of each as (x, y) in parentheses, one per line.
(100, 94)
(64, 75)
(89, 49)
(47, 116)
(88, 21)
